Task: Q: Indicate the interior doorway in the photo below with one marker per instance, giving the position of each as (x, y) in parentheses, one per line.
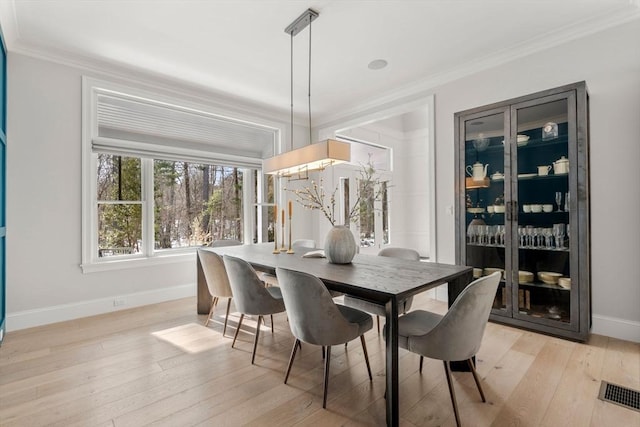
(408, 131)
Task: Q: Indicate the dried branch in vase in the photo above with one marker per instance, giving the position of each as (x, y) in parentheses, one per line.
(370, 190)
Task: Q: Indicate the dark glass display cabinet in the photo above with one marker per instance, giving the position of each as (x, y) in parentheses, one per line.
(522, 207)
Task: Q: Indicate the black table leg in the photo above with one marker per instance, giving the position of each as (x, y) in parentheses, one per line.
(391, 326)
(455, 287)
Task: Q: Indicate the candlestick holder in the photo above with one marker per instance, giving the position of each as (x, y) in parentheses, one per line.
(282, 248)
(275, 238)
(290, 251)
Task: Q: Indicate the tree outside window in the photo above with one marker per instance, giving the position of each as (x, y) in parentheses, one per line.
(196, 204)
(193, 204)
(119, 205)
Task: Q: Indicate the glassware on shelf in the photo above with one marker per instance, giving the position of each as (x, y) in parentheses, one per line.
(534, 237)
(548, 241)
(539, 232)
(558, 234)
(490, 233)
(529, 229)
(485, 234)
(501, 231)
(497, 235)
(559, 200)
(471, 232)
(522, 234)
(566, 202)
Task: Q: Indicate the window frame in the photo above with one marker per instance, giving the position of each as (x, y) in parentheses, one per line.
(90, 261)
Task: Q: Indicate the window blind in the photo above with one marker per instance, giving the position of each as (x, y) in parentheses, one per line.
(146, 128)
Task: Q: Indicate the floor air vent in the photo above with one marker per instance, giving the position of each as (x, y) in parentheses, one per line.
(620, 395)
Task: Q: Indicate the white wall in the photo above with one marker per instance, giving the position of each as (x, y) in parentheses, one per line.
(610, 64)
(44, 280)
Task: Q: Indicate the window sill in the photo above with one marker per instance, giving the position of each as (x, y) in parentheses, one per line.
(138, 262)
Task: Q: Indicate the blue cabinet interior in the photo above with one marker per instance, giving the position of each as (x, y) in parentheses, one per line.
(536, 153)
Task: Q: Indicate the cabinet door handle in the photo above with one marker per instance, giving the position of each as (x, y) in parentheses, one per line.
(512, 211)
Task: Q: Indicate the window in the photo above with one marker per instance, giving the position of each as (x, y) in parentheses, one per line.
(263, 201)
(119, 205)
(373, 200)
(162, 176)
(195, 204)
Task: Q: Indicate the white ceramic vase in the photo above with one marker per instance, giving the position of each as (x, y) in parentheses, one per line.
(340, 245)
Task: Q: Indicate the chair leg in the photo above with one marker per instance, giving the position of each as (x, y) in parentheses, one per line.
(421, 362)
(255, 342)
(475, 377)
(378, 323)
(366, 356)
(323, 353)
(272, 324)
(237, 330)
(447, 370)
(214, 301)
(226, 317)
(327, 361)
(293, 355)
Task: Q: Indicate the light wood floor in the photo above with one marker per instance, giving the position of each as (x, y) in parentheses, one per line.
(159, 365)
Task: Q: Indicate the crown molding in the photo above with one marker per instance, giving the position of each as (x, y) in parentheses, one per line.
(9, 23)
(152, 80)
(427, 85)
(421, 88)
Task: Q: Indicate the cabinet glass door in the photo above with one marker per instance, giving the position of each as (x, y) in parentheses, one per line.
(485, 177)
(541, 136)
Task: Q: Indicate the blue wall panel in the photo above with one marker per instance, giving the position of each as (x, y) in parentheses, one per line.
(3, 182)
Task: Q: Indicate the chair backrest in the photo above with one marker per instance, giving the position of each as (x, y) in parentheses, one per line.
(215, 273)
(313, 316)
(304, 243)
(403, 253)
(225, 242)
(249, 294)
(459, 333)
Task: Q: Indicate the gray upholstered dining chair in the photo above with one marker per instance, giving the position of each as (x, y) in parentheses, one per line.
(316, 319)
(303, 243)
(225, 242)
(251, 296)
(379, 310)
(215, 274)
(455, 336)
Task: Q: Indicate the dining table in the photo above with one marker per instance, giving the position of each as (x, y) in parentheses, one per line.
(382, 280)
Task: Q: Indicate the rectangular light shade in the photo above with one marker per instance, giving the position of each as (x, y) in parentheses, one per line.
(309, 158)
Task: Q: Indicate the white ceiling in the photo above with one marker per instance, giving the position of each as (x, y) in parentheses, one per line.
(238, 48)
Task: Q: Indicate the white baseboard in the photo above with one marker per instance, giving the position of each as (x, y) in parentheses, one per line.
(623, 329)
(60, 313)
(602, 325)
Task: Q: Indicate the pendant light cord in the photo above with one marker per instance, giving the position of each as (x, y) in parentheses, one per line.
(309, 96)
(309, 85)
